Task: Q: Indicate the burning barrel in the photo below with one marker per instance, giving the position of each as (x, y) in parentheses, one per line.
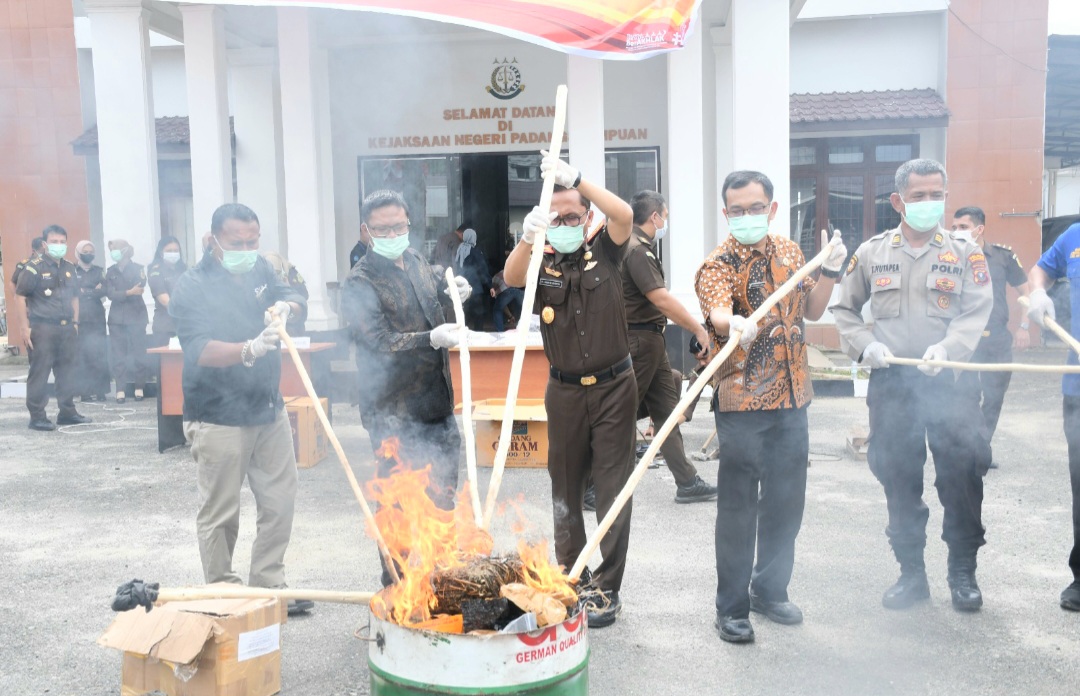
(407, 661)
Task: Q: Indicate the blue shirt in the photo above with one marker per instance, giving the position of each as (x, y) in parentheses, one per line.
(1063, 260)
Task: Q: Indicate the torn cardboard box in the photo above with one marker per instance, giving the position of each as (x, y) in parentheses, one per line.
(214, 647)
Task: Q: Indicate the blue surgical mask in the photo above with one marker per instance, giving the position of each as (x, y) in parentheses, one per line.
(749, 229)
(923, 216)
(57, 251)
(661, 232)
(237, 262)
(566, 240)
(390, 247)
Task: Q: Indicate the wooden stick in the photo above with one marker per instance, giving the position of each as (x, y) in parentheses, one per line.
(705, 447)
(184, 594)
(1049, 323)
(466, 397)
(691, 395)
(368, 515)
(987, 367)
(531, 280)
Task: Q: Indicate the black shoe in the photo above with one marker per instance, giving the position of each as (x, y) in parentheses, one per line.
(589, 501)
(100, 397)
(696, 492)
(42, 424)
(603, 610)
(779, 612)
(86, 398)
(1070, 597)
(966, 595)
(299, 606)
(76, 419)
(732, 630)
(910, 588)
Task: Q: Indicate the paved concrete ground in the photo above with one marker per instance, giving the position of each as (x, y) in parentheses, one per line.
(84, 511)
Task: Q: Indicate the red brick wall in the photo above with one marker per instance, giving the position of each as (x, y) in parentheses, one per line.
(41, 181)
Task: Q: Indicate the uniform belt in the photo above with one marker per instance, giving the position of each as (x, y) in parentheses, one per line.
(52, 322)
(657, 328)
(595, 378)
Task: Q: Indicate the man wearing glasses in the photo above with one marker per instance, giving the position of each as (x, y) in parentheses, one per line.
(591, 397)
(930, 297)
(760, 397)
(396, 307)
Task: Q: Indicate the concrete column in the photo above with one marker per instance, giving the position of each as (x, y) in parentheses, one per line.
(127, 142)
(585, 116)
(208, 113)
(260, 175)
(725, 119)
(684, 189)
(760, 49)
(310, 232)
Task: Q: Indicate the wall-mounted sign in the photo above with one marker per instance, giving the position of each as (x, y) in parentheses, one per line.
(505, 80)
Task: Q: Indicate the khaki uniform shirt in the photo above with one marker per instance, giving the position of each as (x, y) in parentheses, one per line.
(938, 293)
(641, 274)
(579, 300)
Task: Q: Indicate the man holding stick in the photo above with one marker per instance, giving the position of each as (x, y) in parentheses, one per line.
(760, 399)
(1063, 260)
(591, 397)
(228, 309)
(930, 297)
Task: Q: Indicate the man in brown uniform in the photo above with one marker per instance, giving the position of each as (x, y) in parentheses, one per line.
(591, 397)
(649, 305)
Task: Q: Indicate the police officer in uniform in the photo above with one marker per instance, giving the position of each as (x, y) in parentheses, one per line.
(591, 397)
(930, 297)
(648, 307)
(50, 287)
(997, 341)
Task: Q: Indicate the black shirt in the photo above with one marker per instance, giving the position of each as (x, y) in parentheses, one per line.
(1005, 270)
(211, 304)
(162, 279)
(49, 287)
(126, 310)
(91, 292)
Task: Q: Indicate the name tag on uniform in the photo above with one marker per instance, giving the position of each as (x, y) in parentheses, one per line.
(551, 283)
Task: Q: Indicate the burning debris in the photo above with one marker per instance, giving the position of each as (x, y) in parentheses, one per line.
(450, 579)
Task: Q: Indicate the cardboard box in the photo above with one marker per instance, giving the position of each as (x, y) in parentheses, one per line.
(214, 647)
(309, 437)
(528, 439)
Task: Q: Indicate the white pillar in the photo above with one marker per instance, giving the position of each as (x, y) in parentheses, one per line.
(725, 118)
(309, 231)
(585, 116)
(760, 49)
(685, 190)
(127, 141)
(208, 113)
(260, 176)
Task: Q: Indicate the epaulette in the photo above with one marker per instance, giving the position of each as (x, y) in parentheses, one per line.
(879, 236)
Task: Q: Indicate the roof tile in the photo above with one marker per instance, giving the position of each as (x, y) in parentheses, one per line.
(867, 106)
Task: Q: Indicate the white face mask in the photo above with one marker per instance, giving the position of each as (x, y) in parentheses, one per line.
(661, 232)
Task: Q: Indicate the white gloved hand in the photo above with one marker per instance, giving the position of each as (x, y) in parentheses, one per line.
(1040, 306)
(838, 255)
(535, 222)
(281, 309)
(445, 336)
(934, 352)
(747, 328)
(565, 175)
(874, 355)
(268, 340)
(461, 287)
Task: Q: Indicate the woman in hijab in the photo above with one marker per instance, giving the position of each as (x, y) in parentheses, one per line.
(288, 273)
(125, 283)
(469, 262)
(92, 366)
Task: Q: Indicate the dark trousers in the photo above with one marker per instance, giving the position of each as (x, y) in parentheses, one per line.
(55, 351)
(591, 430)
(993, 349)
(1071, 410)
(512, 298)
(127, 344)
(92, 376)
(907, 409)
(474, 312)
(656, 392)
(762, 493)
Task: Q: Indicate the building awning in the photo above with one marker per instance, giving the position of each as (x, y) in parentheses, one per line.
(897, 108)
(173, 137)
(1063, 100)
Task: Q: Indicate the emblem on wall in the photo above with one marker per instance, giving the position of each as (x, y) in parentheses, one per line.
(505, 80)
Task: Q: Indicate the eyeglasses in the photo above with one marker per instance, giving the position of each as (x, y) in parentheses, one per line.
(389, 230)
(756, 209)
(571, 220)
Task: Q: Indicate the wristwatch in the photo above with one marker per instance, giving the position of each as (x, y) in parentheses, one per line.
(830, 274)
(577, 181)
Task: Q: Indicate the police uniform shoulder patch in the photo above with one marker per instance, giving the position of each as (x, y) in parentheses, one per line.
(939, 239)
(896, 240)
(299, 278)
(978, 268)
(650, 255)
(852, 263)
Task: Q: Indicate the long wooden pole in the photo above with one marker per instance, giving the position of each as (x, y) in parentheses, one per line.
(522, 336)
(466, 397)
(688, 399)
(183, 594)
(368, 515)
(1049, 323)
(987, 367)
